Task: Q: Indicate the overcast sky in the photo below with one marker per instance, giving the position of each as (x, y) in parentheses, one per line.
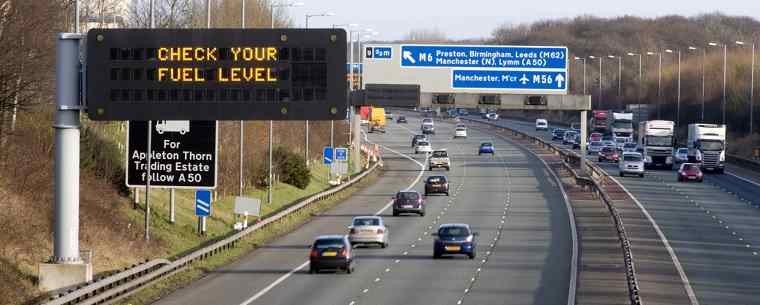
(477, 18)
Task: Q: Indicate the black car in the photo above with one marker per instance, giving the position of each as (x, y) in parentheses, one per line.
(408, 202)
(558, 134)
(417, 138)
(331, 252)
(401, 119)
(436, 185)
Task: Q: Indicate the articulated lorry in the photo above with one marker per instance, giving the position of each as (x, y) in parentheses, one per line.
(599, 121)
(656, 142)
(707, 146)
(621, 127)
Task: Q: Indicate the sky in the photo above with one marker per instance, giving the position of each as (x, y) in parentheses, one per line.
(462, 19)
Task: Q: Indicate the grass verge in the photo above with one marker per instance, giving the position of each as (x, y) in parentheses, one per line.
(164, 287)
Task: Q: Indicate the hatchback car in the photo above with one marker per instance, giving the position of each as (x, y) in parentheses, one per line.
(454, 238)
(428, 129)
(681, 155)
(558, 134)
(331, 252)
(436, 185)
(423, 146)
(401, 119)
(486, 148)
(492, 116)
(366, 230)
(632, 163)
(410, 202)
(460, 132)
(595, 136)
(417, 138)
(608, 153)
(594, 147)
(629, 147)
(690, 172)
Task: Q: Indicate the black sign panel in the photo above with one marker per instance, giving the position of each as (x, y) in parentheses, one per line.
(389, 95)
(216, 74)
(183, 154)
(535, 100)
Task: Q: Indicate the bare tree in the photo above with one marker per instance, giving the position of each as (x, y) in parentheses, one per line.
(426, 35)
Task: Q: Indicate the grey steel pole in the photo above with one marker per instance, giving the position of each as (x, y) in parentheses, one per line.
(678, 99)
(704, 57)
(725, 50)
(271, 10)
(76, 16)
(149, 148)
(270, 182)
(601, 79)
(66, 170)
(752, 90)
(332, 144)
(584, 132)
(351, 62)
(584, 76)
(638, 94)
(172, 197)
(307, 143)
(620, 76)
(659, 83)
(242, 123)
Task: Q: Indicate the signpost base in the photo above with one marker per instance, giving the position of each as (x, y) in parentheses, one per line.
(59, 276)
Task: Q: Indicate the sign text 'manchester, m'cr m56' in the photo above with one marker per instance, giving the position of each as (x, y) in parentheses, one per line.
(216, 74)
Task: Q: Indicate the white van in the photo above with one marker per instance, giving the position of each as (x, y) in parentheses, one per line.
(542, 124)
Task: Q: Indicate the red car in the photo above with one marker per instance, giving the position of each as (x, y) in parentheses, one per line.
(690, 171)
(595, 136)
(608, 154)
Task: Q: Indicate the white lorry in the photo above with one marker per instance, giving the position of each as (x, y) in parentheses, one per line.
(656, 143)
(622, 128)
(707, 146)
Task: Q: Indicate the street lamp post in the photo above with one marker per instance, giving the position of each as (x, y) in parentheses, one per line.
(659, 80)
(584, 73)
(599, 99)
(725, 47)
(325, 14)
(751, 86)
(638, 93)
(678, 98)
(704, 55)
(619, 77)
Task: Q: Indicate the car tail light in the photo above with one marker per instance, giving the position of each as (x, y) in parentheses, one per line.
(314, 253)
(344, 252)
(380, 231)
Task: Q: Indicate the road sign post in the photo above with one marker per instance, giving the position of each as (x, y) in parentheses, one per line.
(327, 155)
(202, 208)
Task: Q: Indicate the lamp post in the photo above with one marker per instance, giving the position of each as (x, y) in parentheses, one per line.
(704, 55)
(638, 93)
(584, 72)
(325, 14)
(619, 76)
(599, 99)
(678, 96)
(718, 44)
(751, 85)
(659, 80)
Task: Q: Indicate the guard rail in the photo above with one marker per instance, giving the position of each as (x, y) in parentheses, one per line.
(596, 180)
(131, 280)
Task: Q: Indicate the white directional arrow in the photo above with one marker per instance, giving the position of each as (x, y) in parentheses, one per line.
(559, 79)
(408, 56)
(524, 80)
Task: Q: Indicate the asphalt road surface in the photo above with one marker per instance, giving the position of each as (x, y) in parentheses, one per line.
(524, 247)
(713, 227)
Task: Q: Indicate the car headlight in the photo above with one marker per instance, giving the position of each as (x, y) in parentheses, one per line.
(469, 239)
(668, 159)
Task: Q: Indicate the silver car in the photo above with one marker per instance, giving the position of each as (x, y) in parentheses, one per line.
(631, 163)
(368, 230)
(681, 155)
(594, 147)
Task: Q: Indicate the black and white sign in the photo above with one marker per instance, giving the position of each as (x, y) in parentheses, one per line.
(184, 154)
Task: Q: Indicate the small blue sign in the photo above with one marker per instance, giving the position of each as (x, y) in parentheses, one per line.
(492, 57)
(341, 154)
(379, 52)
(202, 203)
(357, 68)
(327, 155)
(516, 80)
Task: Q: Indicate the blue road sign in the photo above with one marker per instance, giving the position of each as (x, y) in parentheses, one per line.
(516, 80)
(341, 154)
(484, 57)
(202, 203)
(378, 52)
(327, 155)
(357, 68)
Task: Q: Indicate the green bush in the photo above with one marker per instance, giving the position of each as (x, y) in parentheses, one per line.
(289, 167)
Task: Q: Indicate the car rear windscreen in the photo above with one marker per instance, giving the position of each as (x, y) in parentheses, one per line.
(454, 231)
(329, 243)
(366, 222)
(632, 158)
(437, 179)
(408, 195)
(440, 154)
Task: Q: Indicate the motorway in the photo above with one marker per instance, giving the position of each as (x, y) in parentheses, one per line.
(712, 228)
(524, 249)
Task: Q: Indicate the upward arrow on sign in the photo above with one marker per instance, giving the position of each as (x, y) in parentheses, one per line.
(559, 79)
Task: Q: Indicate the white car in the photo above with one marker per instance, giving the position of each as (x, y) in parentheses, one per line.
(594, 147)
(631, 163)
(368, 230)
(460, 132)
(542, 124)
(492, 116)
(423, 147)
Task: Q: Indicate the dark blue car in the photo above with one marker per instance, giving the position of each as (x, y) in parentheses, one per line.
(486, 148)
(454, 238)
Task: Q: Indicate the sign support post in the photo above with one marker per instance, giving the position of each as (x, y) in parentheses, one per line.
(147, 183)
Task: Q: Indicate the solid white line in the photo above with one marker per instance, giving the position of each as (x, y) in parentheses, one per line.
(743, 179)
(676, 261)
(282, 278)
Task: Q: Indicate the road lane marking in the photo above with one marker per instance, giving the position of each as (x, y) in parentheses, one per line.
(671, 252)
(282, 278)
